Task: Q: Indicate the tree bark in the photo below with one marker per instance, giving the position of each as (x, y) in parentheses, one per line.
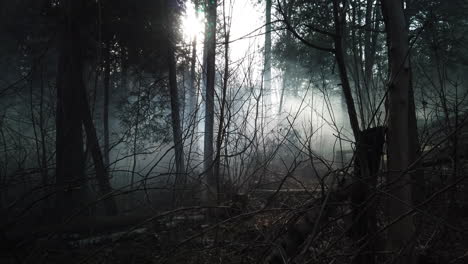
(221, 127)
(72, 112)
(364, 177)
(70, 159)
(175, 107)
(267, 66)
(339, 20)
(210, 43)
(287, 67)
(102, 174)
(400, 149)
(193, 100)
(106, 103)
(364, 209)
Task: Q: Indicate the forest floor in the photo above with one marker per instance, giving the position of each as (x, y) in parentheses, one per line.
(189, 236)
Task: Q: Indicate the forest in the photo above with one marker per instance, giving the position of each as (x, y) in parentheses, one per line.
(234, 131)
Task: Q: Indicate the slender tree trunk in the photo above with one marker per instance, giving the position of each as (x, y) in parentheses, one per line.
(40, 144)
(368, 62)
(368, 44)
(175, 107)
(267, 66)
(42, 131)
(418, 188)
(283, 88)
(210, 48)
(340, 60)
(356, 49)
(287, 66)
(124, 74)
(193, 100)
(73, 111)
(133, 195)
(193, 94)
(106, 103)
(400, 234)
(70, 159)
(361, 218)
(102, 174)
(221, 127)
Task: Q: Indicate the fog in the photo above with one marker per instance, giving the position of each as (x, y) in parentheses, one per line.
(233, 131)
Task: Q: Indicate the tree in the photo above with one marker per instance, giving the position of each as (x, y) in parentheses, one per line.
(365, 178)
(210, 48)
(72, 113)
(267, 65)
(102, 172)
(287, 67)
(70, 174)
(365, 171)
(174, 94)
(107, 70)
(193, 108)
(399, 133)
(223, 102)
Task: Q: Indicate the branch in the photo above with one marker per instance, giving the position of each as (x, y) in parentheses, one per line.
(299, 37)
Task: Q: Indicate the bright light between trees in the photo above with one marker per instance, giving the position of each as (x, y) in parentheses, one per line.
(192, 23)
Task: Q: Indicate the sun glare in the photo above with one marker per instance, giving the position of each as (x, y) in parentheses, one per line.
(192, 22)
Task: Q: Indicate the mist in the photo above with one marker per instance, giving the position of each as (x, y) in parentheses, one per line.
(233, 131)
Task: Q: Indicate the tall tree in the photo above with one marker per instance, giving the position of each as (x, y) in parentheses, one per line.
(70, 159)
(210, 50)
(399, 131)
(174, 94)
(288, 6)
(72, 113)
(364, 178)
(267, 66)
(102, 172)
(223, 101)
(193, 98)
(193, 108)
(107, 70)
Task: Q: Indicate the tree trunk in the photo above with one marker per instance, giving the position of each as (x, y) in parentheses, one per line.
(193, 94)
(70, 159)
(287, 66)
(43, 133)
(193, 100)
(73, 111)
(221, 127)
(102, 174)
(364, 209)
(340, 61)
(369, 58)
(400, 234)
(175, 107)
(106, 102)
(364, 177)
(267, 66)
(210, 44)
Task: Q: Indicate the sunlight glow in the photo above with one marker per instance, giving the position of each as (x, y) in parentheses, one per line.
(192, 23)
